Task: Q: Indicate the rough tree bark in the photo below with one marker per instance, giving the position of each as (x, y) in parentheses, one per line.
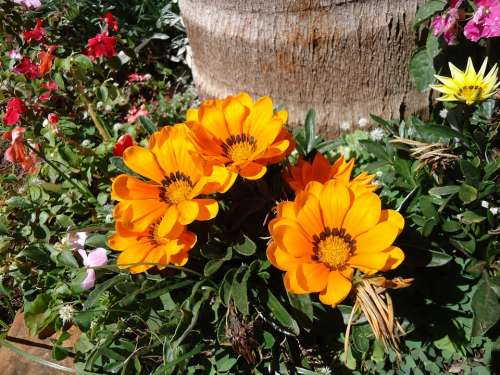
(345, 58)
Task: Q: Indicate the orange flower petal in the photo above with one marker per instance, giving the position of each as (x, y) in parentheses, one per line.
(312, 277)
(291, 282)
(252, 171)
(168, 221)
(363, 214)
(188, 211)
(335, 201)
(260, 116)
(235, 114)
(394, 218)
(292, 241)
(309, 216)
(143, 162)
(126, 187)
(142, 213)
(212, 119)
(370, 261)
(337, 289)
(396, 256)
(379, 238)
(207, 209)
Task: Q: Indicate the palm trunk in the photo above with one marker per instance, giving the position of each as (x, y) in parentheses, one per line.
(345, 58)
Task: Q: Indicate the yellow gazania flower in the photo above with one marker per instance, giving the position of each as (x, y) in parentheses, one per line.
(177, 174)
(469, 87)
(326, 233)
(242, 135)
(320, 170)
(149, 247)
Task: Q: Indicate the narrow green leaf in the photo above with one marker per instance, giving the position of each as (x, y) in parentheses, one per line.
(279, 312)
(310, 130)
(148, 124)
(444, 190)
(101, 288)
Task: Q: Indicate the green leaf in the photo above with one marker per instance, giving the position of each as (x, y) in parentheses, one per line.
(310, 130)
(444, 190)
(422, 69)
(467, 193)
(427, 207)
(212, 266)
(470, 217)
(375, 148)
(117, 162)
(427, 10)
(303, 304)
(239, 291)
(148, 125)
(247, 247)
(439, 131)
(485, 307)
(279, 312)
(432, 46)
(101, 288)
(438, 259)
(471, 173)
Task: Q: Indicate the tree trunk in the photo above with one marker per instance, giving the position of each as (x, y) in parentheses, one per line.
(344, 58)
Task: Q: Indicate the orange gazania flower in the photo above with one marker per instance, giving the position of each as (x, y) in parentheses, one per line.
(150, 248)
(320, 170)
(178, 176)
(242, 135)
(326, 233)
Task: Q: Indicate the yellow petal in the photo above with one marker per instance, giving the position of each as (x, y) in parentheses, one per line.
(312, 277)
(168, 221)
(378, 238)
(292, 241)
(207, 209)
(309, 216)
(335, 201)
(281, 259)
(235, 114)
(396, 256)
(188, 211)
(291, 282)
(371, 261)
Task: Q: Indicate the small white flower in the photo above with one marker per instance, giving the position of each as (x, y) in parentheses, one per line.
(363, 122)
(344, 125)
(66, 313)
(99, 105)
(117, 127)
(324, 370)
(45, 123)
(377, 134)
(379, 173)
(443, 113)
(494, 210)
(86, 143)
(485, 204)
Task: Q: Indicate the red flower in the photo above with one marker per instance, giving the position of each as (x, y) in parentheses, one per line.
(50, 86)
(15, 108)
(138, 77)
(101, 45)
(46, 59)
(53, 118)
(122, 144)
(110, 21)
(16, 152)
(36, 34)
(29, 69)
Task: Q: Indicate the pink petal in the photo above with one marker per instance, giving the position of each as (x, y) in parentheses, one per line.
(97, 258)
(89, 281)
(84, 256)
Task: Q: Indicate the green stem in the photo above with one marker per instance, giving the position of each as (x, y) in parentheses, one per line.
(61, 173)
(95, 119)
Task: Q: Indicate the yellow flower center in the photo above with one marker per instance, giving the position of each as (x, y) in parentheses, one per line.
(469, 94)
(239, 148)
(333, 247)
(176, 188)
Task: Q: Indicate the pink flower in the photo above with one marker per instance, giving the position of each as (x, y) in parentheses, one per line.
(485, 22)
(134, 113)
(138, 77)
(29, 3)
(101, 45)
(36, 34)
(15, 54)
(95, 258)
(446, 24)
(28, 68)
(50, 86)
(15, 108)
(53, 118)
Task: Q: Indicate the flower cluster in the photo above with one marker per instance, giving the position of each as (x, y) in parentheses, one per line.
(334, 226)
(484, 23)
(103, 45)
(183, 166)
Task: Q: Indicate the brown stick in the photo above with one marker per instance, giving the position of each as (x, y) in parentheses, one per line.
(34, 344)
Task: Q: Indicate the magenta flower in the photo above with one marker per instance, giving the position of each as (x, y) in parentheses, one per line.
(95, 258)
(446, 24)
(485, 23)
